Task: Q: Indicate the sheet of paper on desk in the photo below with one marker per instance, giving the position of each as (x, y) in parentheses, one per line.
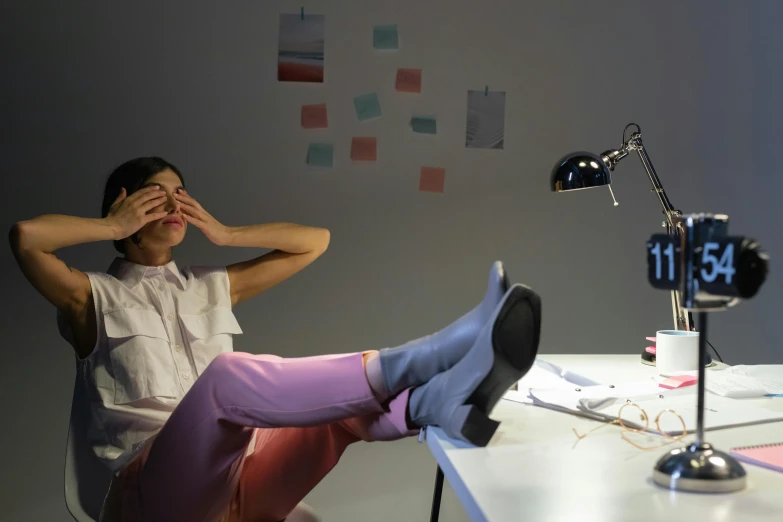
(546, 375)
(588, 400)
(604, 402)
(744, 381)
(769, 376)
(734, 386)
(719, 412)
(565, 375)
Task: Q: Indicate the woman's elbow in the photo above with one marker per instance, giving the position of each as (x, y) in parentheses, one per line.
(325, 238)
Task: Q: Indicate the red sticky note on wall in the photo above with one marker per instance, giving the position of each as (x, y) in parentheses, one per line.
(432, 179)
(314, 116)
(408, 80)
(364, 149)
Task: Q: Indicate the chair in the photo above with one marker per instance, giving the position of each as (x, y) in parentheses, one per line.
(87, 479)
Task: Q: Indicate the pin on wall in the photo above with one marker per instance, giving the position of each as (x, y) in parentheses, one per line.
(486, 90)
(301, 13)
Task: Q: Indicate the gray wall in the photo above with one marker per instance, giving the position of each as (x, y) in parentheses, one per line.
(86, 85)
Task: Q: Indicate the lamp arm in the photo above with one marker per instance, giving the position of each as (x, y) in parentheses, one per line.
(682, 319)
(668, 208)
(634, 143)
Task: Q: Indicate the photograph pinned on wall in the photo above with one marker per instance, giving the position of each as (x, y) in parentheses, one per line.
(486, 119)
(300, 57)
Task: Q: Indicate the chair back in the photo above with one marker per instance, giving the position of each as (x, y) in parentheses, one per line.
(86, 478)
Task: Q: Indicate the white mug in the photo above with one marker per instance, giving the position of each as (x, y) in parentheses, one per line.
(676, 351)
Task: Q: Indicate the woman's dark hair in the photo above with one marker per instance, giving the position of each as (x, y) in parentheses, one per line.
(132, 175)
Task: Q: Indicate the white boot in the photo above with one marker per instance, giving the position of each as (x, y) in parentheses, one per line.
(460, 400)
(417, 361)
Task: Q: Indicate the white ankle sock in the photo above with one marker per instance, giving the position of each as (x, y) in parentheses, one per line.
(372, 369)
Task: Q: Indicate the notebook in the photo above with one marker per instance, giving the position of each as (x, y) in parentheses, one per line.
(767, 455)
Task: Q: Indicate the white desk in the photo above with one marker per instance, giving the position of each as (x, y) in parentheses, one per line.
(531, 471)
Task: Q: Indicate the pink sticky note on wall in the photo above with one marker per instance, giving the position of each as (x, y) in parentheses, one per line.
(432, 179)
(314, 116)
(364, 149)
(409, 80)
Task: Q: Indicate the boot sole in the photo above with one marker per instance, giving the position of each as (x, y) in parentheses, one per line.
(515, 337)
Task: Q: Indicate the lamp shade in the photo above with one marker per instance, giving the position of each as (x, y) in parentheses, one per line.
(579, 170)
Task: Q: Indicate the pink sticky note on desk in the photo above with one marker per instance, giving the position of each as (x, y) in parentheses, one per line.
(314, 116)
(432, 179)
(679, 381)
(364, 149)
(409, 80)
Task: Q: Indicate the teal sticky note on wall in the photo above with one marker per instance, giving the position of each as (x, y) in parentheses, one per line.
(424, 125)
(367, 106)
(385, 37)
(320, 155)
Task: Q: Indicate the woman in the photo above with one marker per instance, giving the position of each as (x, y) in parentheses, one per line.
(194, 431)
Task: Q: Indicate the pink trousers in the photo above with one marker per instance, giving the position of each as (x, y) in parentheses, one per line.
(304, 413)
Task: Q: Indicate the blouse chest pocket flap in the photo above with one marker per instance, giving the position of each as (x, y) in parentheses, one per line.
(140, 355)
(209, 334)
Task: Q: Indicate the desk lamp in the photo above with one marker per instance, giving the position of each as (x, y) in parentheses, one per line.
(707, 271)
(583, 170)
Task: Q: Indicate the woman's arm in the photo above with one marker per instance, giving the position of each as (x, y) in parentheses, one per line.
(295, 247)
(52, 232)
(288, 237)
(33, 243)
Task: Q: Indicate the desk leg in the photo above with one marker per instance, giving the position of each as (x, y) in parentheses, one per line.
(436, 496)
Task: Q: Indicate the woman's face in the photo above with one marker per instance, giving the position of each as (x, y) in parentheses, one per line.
(170, 230)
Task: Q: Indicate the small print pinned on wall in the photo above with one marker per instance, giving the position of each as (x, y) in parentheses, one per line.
(300, 56)
(485, 127)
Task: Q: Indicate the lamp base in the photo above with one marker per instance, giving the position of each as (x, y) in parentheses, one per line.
(699, 468)
(649, 359)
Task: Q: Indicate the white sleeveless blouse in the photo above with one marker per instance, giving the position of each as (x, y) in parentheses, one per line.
(158, 330)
